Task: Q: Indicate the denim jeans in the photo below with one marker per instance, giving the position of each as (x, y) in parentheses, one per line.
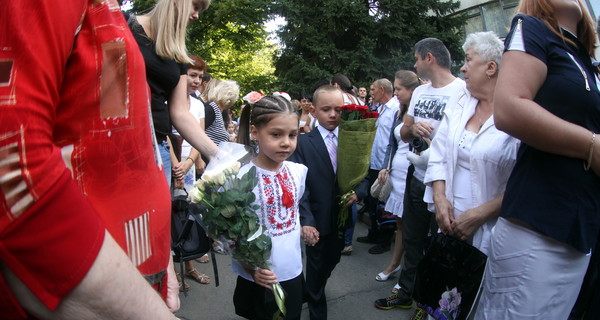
(165, 155)
(350, 231)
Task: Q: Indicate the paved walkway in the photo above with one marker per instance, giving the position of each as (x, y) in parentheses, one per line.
(351, 290)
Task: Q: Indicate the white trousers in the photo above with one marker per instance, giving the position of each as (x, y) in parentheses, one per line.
(529, 275)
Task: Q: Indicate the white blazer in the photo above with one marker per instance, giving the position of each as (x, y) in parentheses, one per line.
(493, 156)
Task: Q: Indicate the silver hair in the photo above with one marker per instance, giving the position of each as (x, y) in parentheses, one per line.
(486, 44)
(227, 92)
(386, 84)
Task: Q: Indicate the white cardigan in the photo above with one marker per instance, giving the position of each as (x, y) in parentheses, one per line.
(492, 158)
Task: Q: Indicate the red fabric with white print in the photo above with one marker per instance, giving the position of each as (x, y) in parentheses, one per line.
(76, 147)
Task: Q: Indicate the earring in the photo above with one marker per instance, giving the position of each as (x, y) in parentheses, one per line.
(488, 76)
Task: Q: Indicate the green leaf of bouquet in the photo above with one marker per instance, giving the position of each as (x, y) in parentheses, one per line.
(228, 211)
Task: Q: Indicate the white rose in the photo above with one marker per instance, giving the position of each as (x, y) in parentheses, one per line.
(219, 178)
(200, 184)
(214, 177)
(235, 168)
(196, 195)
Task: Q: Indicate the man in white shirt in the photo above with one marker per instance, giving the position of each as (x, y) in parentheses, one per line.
(421, 121)
(387, 106)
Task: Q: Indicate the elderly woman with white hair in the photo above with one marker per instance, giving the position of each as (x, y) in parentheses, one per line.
(220, 98)
(470, 159)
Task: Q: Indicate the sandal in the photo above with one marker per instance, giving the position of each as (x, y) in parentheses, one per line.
(218, 247)
(198, 276)
(203, 259)
(384, 277)
(182, 288)
(395, 288)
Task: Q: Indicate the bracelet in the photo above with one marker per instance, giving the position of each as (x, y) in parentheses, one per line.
(190, 158)
(586, 166)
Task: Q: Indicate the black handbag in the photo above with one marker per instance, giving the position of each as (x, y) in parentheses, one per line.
(188, 239)
(449, 277)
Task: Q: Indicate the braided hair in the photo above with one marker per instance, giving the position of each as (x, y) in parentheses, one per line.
(260, 113)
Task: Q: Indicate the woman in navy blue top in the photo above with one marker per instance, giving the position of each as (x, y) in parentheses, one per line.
(548, 96)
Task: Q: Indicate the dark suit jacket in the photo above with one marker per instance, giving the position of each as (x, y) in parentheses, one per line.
(319, 205)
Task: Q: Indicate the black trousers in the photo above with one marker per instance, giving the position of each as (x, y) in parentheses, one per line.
(417, 223)
(321, 259)
(371, 205)
(254, 302)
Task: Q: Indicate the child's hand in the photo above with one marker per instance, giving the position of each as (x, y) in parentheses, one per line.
(351, 200)
(264, 278)
(310, 235)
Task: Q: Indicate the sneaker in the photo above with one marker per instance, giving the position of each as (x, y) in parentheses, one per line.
(420, 314)
(393, 301)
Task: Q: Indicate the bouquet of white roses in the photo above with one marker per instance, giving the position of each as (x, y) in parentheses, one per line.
(225, 201)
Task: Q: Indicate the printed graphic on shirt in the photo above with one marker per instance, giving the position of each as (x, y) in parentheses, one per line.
(7, 82)
(14, 182)
(276, 216)
(113, 82)
(431, 106)
(138, 239)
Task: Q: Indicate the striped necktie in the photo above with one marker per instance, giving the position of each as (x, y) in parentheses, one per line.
(332, 149)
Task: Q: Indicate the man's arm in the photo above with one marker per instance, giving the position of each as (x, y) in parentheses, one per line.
(412, 129)
(112, 289)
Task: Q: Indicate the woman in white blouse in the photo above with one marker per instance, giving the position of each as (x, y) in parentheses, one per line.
(470, 160)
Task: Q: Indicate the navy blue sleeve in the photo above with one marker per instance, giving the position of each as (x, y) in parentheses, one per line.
(306, 216)
(530, 35)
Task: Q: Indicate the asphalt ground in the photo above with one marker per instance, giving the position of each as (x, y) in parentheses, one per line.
(351, 290)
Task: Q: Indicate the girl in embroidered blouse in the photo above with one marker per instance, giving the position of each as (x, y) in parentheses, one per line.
(273, 123)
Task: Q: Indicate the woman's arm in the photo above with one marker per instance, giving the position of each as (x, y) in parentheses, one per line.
(469, 221)
(444, 214)
(185, 123)
(517, 114)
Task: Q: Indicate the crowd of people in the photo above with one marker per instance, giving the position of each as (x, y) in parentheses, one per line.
(508, 164)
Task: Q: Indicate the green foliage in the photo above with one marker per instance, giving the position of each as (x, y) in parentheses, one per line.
(363, 39)
(254, 253)
(231, 37)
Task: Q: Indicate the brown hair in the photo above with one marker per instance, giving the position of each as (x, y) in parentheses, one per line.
(543, 10)
(198, 63)
(260, 113)
(410, 81)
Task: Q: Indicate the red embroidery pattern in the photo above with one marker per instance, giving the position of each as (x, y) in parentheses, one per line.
(278, 196)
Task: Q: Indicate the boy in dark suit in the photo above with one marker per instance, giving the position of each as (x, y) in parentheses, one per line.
(319, 206)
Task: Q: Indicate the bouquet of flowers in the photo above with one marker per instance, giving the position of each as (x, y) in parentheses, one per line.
(225, 201)
(355, 141)
(449, 306)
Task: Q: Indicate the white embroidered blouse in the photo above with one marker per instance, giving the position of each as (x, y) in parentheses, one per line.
(278, 194)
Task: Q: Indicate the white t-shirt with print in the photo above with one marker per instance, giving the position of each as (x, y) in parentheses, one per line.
(428, 105)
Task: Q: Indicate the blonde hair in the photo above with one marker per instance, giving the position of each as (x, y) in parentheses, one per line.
(225, 94)
(168, 27)
(210, 86)
(543, 10)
